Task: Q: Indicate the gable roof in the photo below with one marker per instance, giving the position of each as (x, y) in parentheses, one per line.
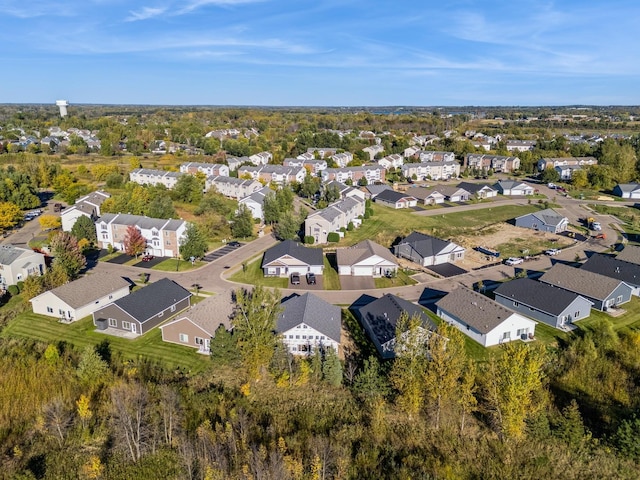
(450, 190)
(381, 316)
(257, 196)
(209, 314)
(362, 251)
(614, 268)
(143, 222)
(392, 196)
(152, 299)
(312, 311)
(422, 193)
(87, 289)
(376, 189)
(631, 254)
(474, 309)
(310, 256)
(628, 187)
(540, 296)
(511, 184)
(583, 282)
(425, 245)
(548, 217)
(474, 187)
(10, 253)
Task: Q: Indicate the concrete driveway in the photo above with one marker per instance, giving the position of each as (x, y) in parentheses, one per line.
(347, 282)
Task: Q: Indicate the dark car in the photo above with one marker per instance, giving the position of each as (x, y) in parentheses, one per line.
(234, 244)
(311, 278)
(147, 258)
(295, 279)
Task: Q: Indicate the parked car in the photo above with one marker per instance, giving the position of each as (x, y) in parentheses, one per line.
(552, 186)
(234, 244)
(513, 261)
(57, 207)
(147, 258)
(295, 279)
(311, 278)
(552, 252)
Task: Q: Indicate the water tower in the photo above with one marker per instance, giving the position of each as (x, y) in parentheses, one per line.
(62, 105)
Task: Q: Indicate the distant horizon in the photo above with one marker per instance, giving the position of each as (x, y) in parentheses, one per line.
(326, 53)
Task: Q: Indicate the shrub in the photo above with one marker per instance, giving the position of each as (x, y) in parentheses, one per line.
(309, 239)
(369, 212)
(333, 237)
(13, 290)
(350, 226)
(20, 286)
(343, 230)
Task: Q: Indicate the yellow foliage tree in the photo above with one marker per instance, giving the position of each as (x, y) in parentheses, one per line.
(49, 222)
(10, 215)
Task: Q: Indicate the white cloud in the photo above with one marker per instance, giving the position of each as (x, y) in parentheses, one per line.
(192, 5)
(145, 14)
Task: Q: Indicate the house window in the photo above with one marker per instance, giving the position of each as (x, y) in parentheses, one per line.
(304, 337)
(105, 236)
(49, 310)
(113, 322)
(184, 338)
(516, 304)
(61, 311)
(173, 308)
(103, 227)
(577, 314)
(168, 242)
(199, 341)
(506, 336)
(160, 314)
(522, 331)
(619, 299)
(321, 337)
(291, 336)
(126, 325)
(297, 337)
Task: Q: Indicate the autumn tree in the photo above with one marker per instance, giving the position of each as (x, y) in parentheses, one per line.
(130, 418)
(50, 222)
(254, 323)
(67, 254)
(134, 243)
(10, 215)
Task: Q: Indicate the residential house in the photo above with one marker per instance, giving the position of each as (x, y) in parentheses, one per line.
(235, 162)
(478, 190)
(380, 319)
(566, 171)
(454, 194)
(391, 161)
(411, 151)
(426, 250)
(277, 174)
(80, 298)
(322, 152)
(143, 309)
(552, 162)
(614, 267)
(521, 145)
(208, 169)
(336, 216)
(603, 292)
(497, 163)
(312, 165)
(307, 323)
(547, 220)
(261, 158)
(235, 188)
(627, 190)
(371, 173)
(366, 258)
(342, 159)
(87, 206)
(513, 188)
(427, 195)
(255, 202)
(543, 302)
(371, 191)
(430, 156)
(146, 176)
(482, 319)
(305, 156)
(198, 325)
(373, 150)
(431, 170)
(393, 199)
(345, 191)
(630, 254)
(290, 257)
(17, 263)
(163, 236)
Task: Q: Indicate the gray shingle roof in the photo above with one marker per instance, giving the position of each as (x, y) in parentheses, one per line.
(425, 245)
(392, 196)
(583, 282)
(474, 187)
(538, 295)
(89, 288)
(631, 254)
(614, 268)
(210, 313)
(10, 253)
(152, 299)
(141, 221)
(474, 309)
(547, 217)
(312, 311)
(362, 251)
(382, 316)
(310, 256)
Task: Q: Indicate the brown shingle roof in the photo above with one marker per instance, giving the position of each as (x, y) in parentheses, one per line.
(89, 288)
(362, 251)
(578, 280)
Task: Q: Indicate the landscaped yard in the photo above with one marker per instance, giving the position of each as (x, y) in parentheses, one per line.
(387, 223)
(175, 265)
(82, 333)
(330, 276)
(253, 275)
(400, 280)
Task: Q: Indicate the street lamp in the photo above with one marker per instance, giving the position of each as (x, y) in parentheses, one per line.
(197, 286)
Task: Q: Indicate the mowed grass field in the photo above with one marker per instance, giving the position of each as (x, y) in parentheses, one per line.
(82, 333)
(387, 223)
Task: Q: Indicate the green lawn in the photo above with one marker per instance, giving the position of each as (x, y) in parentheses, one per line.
(82, 333)
(175, 265)
(387, 223)
(630, 320)
(253, 275)
(400, 280)
(330, 277)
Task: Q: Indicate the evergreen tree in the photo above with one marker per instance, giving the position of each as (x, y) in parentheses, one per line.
(84, 228)
(242, 226)
(195, 243)
(332, 368)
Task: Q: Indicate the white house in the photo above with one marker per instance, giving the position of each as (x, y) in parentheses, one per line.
(255, 202)
(431, 156)
(426, 250)
(627, 190)
(289, 257)
(432, 170)
(366, 258)
(236, 188)
(209, 169)
(342, 159)
(393, 199)
(512, 187)
(261, 158)
(391, 161)
(307, 323)
(373, 150)
(80, 298)
(16, 264)
(87, 206)
(146, 176)
(483, 320)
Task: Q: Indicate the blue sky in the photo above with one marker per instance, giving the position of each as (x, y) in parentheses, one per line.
(326, 53)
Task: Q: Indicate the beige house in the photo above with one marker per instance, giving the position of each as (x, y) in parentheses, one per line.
(336, 216)
(75, 300)
(232, 187)
(366, 258)
(87, 206)
(197, 326)
(146, 176)
(18, 263)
